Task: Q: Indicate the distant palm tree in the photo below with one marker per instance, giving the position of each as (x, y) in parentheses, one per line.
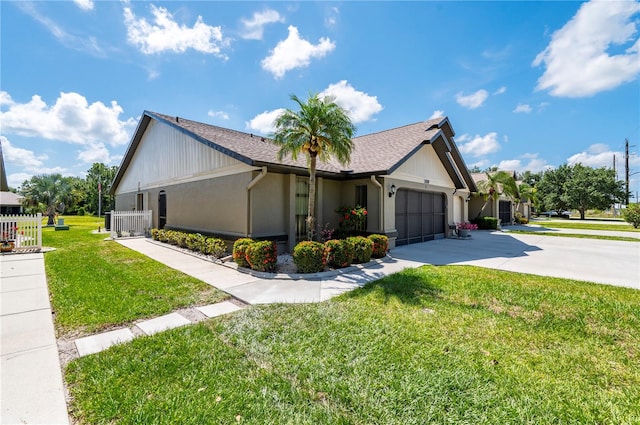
(320, 129)
(496, 184)
(47, 193)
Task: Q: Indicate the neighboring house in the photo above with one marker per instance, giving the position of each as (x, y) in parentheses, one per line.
(10, 203)
(199, 177)
(502, 208)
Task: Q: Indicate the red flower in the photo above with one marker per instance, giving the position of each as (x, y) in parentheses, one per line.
(365, 212)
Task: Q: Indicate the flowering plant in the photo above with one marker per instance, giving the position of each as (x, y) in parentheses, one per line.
(10, 233)
(352, 219)
(466, 226)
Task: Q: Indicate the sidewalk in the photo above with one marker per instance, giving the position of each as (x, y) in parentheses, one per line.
(257, 289)
(31, 382)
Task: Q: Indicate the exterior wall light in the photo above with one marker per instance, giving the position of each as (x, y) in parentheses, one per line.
(392, 190)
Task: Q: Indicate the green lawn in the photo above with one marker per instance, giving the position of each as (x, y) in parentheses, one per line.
(97, 284)
(449, 344)
(573, 235)
(576, 224)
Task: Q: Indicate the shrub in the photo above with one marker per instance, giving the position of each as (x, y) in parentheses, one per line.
(631, 214)
(214, 247)
(82, 211)
(195, 242)
(338, 253)
(362, 248)
(262, 256)
(239, 251)
(308, 257)
(155, 234)
(353, 220)
(380, 245)
(486, 223)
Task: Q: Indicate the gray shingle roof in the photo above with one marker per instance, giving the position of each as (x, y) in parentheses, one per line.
(378, 152)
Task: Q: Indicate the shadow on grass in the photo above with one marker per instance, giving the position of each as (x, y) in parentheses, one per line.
(410, 286)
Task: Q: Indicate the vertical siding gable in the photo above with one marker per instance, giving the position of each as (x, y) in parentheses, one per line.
(167, 156)
(425, 164)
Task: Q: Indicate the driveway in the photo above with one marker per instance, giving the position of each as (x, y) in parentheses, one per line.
(594, 260)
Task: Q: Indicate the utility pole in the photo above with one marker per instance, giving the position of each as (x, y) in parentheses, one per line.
(626, 165)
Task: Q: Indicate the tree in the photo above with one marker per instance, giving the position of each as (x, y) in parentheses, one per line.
(100, 175)
(552, 190)
(47, 193)
(320, 129)
(525, 192)
(496, 184)
(580, 187)
(589, 188)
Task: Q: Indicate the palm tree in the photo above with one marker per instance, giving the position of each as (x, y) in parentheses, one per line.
(47, 193)
(496, 184)
(320, 129)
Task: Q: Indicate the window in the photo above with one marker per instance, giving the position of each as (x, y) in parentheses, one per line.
(140, 202)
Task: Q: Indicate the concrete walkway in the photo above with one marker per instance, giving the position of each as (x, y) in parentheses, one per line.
(31, 381)
(257, 288)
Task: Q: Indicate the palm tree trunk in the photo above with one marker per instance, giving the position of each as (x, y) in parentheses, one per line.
(312, 198)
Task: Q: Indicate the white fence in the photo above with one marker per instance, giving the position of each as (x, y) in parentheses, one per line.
(130, 223)
(24, 230)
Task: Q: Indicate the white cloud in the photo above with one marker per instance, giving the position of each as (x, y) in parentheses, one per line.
(501, 90)
(86, 44)
(473, 100)
(436, 114)
(482, 164)
(360, 106)
(218, 114)
(522, 108)
(479, 145)
(71, 119)
(332, 17)
(253, 29)
(164, 34)
(264, 122)
(30, 163)
(5, 98)
(94, 152)
(577, 61)
(84, 4)
(533, 164)
(600, 155)
(295, 52)
(20, 157)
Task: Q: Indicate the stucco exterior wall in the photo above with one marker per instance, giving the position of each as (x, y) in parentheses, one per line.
(269, 201)
(216, 205)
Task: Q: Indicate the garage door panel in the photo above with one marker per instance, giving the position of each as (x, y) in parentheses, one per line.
(420, 216)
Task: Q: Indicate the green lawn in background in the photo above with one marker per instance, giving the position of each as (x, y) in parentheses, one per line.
(448, 344)
(97, 284)
(574, 235)
(576, 224)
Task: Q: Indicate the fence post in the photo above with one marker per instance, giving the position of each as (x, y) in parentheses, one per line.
(39, 231)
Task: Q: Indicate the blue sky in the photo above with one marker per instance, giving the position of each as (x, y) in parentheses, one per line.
(526, 85)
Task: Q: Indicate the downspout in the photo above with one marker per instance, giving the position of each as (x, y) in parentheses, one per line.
(381, 212)
(252, 183)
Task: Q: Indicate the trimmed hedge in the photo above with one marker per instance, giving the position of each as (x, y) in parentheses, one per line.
(380, 245)
(338, 253)
(193, 241)
(486, 223)
(262, 256)
(362, 248)
(239, 251)
(309, 257)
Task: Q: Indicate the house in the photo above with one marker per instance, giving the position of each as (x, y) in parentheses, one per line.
(10, 203)
(203, 178)
(502, 208)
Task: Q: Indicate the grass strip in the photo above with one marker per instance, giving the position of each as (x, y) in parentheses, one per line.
(97, 284)
(576, 224)
(447, 344)
(575, 235)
